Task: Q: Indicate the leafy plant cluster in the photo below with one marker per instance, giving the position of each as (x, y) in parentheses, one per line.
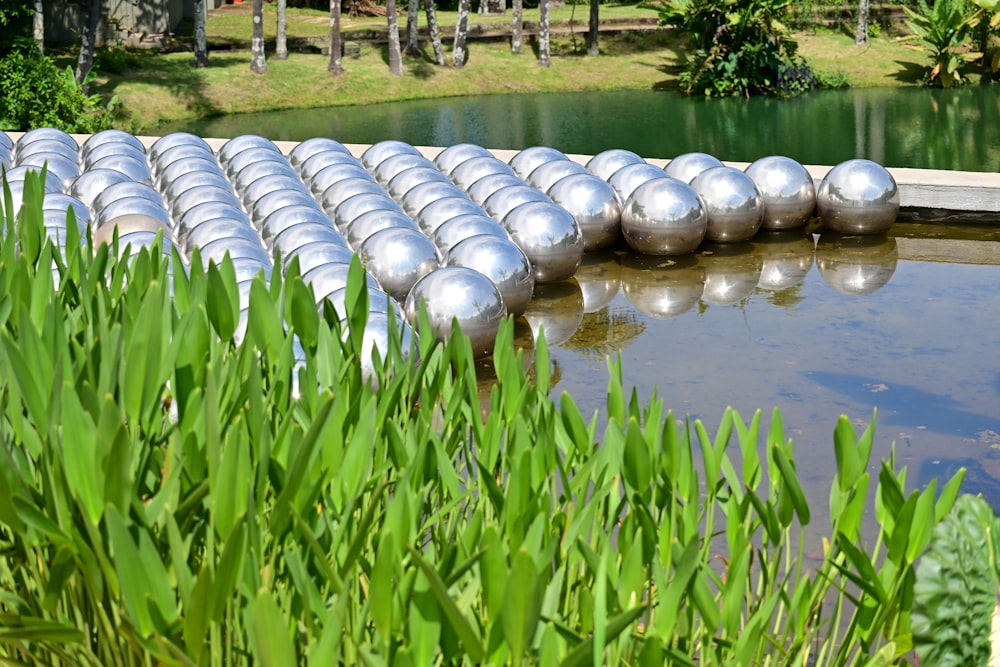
(35, 93)
(168, 496)
(740, 47)
(944, 29)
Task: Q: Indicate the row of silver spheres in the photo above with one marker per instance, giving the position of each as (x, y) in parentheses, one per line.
(465, 234)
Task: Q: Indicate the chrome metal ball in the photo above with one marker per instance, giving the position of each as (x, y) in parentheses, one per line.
(179, 152)
(245, 142)
(475, 168)
(529, 159)
(459, 295)
(192, 197)
(631, 176)
(220, 228)
(130, 225)
(499, 204)
(390, 167)
(91, 183)
(310, 147)
(46, 147)
(109, 137)
(46, 133)
(197, 180)
(261, 169)
(207, 211)
(57, 201)
(18, 174)
(500, 260)
(62, 169)
(376, 337)
(217, 250)
(440, 211)
(685, 167)
(265, 186)
(309, 169)
(273, 201)
(329, 176)
(352, 207)
(481, 190)
(376, 153)
(461, 227)
(549, 236)
(289, 216)
(397, 258)
(593, 204)
(733, 203)
(545, 175)
(125, 189)
(858, 197)
(175, 139)
(327, 278)
(662, 290)
(379, 301)
(788, 191)
(6, 141)
(455, 155)
(127, 206)
(606, 163)
(316, 254)
(178, 168)
(366, 224)
(294, 238)
(111, 149)
(406, 180)
(341, 191)
(251, 156)
(664, 216)
(856, 265)
(421, 195)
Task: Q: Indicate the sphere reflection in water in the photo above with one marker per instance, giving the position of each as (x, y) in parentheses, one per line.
(788, 191)
(458, 294)
(733, 203)
(556, 309)
(787, 257)
(732, 271)
(856, 265)
(662, 288)
(599, 277)
(858, 197)
(664, 217)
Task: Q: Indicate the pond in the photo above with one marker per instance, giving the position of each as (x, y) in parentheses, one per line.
(816, 326)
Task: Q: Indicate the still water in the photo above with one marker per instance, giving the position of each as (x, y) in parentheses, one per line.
(819, 327)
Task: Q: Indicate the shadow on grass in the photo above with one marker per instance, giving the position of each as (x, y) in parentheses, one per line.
(910, 72)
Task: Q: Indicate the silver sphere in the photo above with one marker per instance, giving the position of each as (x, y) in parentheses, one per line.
(499, 204)
(196, 180)
(379, 301)
(476, 168)
(207, 211)
(545, 175)
(367, 224)
(407, 179)
(113, 148)
(129, 206)
(329, 176)
(352, 207)
(390, 167)
(593, 204)
(245, 142)
(481, 190)
(376, 337)
(316, 254)
(456, 294)
(47, 147)
(858, 197)
(327, 278)
(856, 265)
(311, 168)
(787, 257)
(45, 134)
(178, 168)
(461, 227)
(549, 236)
(289, 216)
(63, 170)
(57, 201)
(500, 260)
(188, 199)
(110, 137)
(251, 156)
(733, 203)
(376, 153)
(455, 155)
(685, 167)
(664, 216)
(529, 159)
(6, 141)
(342, 190)
(606, 163)
(421, 195)
(310, 147)
(124, 189)
(301, 235)
(263, 187)
(440, 211)
(220, 228)
(631, 176)
(397, 258)
(788, 191)
(175, 139)
(91, 183)
(179, 152)
(271, 202)
(662, 289)
(261, 169)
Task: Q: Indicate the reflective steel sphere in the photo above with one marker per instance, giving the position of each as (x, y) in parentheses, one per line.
(220, 228)
(207, 211)
(606, 163)
(341, 191)
(178, 168)
(127, 206)
(88, 185)
(366, 224)
(461, 227)
(47, 147)
(529, 159)
(455, 155)
(272, 201)
(664, 216)
(475, 168)
(545, 175)
(245, 142)
(631, 176)
(407, 179)
(858, 197)
(441, 211)
(421, 195)
(788, 191)
(57, 201)
(289, 216)
(188, 199)
(217, 250)
(327, 278)
(250, 156)
(310, 147)
(114, 148)
(131, 225)
(375, 153)
(481, 190)
(397, 258)
(63, 170)
(593, 204)
(175, 139)
(329, 176)
(456, 294)
(685, 167)
(6, 141)
(261, 169)
(181, 152)
(390, 167)
(264, 186)
(500, 260)
(499, 204)
(316, 254)
(309, 169)
(549, 236)
(856, 265)
(301, 235)
(352, 207)
(733, 203)
(43, 134)
(194, 180)
(109, 137)
(379, 301)
(376, 337)
(124, 189)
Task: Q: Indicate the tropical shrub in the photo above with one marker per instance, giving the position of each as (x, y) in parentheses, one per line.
(942, 29)
(171, 496)
(739, 47)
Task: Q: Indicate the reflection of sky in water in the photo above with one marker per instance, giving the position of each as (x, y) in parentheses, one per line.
(920, 349)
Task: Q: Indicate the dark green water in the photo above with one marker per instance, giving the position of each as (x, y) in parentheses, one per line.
(898, 127)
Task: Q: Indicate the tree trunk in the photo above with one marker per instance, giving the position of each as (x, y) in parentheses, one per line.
(38, 26)
(593, 35)
(861, 36)
(432, 28)
(517, 27)
(543, 34)
(200, 41)
(461, 34)
(336, 66)
(395, 57)
(258, 62)
(88, 45)
(281, 41)
(412, 17)
(492, 7)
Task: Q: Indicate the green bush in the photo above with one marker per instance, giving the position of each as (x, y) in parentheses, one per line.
(34, 93)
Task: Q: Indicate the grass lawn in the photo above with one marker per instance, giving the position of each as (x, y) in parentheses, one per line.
(164, 87)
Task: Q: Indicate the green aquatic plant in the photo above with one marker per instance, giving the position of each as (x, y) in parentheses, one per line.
(171, 495)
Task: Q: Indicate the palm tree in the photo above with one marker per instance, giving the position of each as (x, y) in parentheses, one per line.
(281, 42)
(432, 28)
(258, 62)
(336, 66)
(543, 34)
(200, 41)
(88, 44)
(461, 34)
(395, 56)
(861, 36)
